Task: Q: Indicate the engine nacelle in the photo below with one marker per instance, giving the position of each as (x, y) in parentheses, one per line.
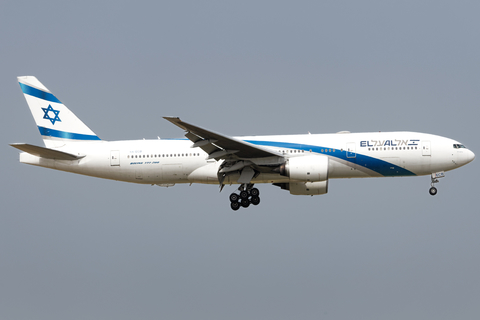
(304, 188)
(308, 175)
(306, 168)
(308, 188)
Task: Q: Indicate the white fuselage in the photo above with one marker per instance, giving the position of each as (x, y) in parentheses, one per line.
(350, 155)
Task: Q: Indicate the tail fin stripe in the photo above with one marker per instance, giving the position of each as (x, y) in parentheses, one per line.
(34, 92)
(66, 135)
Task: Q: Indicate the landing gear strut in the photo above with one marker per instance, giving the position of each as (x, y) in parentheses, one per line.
(434, 177)
(248, 195)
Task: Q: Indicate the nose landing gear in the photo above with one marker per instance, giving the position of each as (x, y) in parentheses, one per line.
(435, 177)
(248, 195)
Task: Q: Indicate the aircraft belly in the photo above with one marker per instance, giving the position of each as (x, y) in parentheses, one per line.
(173, 172)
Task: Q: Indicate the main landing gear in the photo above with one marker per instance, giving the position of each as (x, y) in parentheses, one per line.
(248, 195)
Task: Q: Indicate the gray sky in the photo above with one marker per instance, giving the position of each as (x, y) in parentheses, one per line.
(74, 247)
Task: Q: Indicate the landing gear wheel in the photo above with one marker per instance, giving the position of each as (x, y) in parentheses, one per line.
(245, 203)
(255, 192)
(433, 191)
(244, 194)
(255, 200)
(235, 206)
(234, 197)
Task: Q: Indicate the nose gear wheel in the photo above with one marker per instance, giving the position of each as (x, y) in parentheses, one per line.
(433, 191)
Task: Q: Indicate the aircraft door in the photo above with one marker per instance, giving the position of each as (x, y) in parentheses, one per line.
(426, 148)
(114, 158)
(351, 152)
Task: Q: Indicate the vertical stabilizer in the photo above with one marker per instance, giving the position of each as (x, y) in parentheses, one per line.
(57, 124)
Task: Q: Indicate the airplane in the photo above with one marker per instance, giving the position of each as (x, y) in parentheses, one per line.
(302, 164)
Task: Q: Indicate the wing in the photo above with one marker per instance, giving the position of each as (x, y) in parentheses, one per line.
(239, 156)
(219, 146)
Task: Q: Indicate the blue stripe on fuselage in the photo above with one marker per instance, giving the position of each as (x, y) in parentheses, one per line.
(382, 167)
(34, 92)
(66, 135)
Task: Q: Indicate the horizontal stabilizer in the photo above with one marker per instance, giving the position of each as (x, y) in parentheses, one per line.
(45, 152)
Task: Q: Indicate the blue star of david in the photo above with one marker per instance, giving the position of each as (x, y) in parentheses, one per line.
(46, 116)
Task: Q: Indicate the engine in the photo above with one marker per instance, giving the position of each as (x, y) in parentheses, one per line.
(308, 175)
(307, 168)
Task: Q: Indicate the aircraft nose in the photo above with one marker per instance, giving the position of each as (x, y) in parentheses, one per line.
(470, 156)
(465, 156)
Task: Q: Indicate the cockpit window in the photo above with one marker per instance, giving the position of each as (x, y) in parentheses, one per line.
(458, 146)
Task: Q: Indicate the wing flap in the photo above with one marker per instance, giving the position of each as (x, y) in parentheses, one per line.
(45, 152)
